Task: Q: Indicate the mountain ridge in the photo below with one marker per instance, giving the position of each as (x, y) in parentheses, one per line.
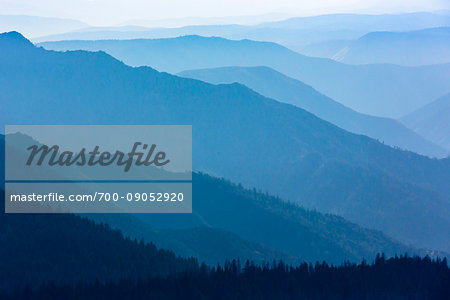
(380, 90)
(275, 85)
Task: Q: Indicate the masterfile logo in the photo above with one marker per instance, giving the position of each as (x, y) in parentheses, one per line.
(94, 157)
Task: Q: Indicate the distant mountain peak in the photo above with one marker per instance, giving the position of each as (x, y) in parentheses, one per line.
(14, 38)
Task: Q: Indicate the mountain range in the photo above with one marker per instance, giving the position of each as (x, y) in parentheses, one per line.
(275, 85)
(380, 90)
(237, 134)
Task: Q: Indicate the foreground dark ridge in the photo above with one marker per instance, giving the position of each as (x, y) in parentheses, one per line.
(396, 278)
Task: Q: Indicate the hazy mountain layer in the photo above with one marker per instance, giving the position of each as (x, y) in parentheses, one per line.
(382, 90)
(295, 33)
(413, 48)
(272, 84)
(432, 121)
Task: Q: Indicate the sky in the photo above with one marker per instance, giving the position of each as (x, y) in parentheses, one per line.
(115, 12)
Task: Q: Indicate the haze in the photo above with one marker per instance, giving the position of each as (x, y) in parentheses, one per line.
(115, 12)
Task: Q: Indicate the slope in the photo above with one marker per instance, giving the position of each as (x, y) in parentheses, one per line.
(432, 121)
